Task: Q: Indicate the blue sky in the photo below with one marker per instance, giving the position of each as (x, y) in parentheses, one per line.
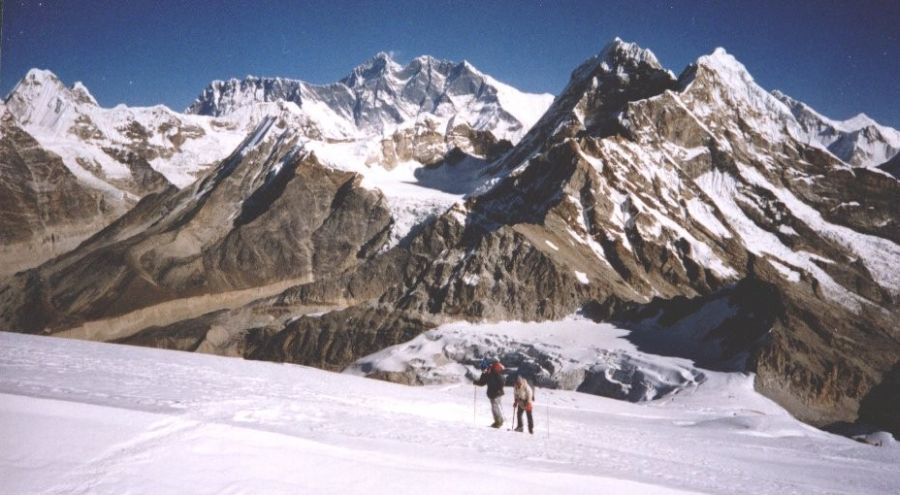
(841, 57)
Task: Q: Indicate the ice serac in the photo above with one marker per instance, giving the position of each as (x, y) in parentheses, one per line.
(859, 141)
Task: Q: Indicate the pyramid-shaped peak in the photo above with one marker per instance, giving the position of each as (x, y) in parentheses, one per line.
(43, 81)
(465, 64)
(619, 51)
(467, 70)
(382, 61)
(38, 80)
(37, 84)
(617, 57)
(725, 64)
(40, 76)
(721, 68)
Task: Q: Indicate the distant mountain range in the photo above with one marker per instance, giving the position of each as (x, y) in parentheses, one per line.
(315, 224)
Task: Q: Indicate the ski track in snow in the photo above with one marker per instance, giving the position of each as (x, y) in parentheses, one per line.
(82, 417)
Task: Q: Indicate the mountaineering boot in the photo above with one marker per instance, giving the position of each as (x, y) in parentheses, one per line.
(496, 424)
(519, 428)
(531, 430)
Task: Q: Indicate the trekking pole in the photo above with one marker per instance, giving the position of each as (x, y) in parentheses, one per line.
(474, 402)
(512, 421)
(548, 421)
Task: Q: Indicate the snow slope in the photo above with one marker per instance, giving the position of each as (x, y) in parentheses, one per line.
(81, 417)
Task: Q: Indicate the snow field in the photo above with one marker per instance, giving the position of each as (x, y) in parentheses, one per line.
(81, 417)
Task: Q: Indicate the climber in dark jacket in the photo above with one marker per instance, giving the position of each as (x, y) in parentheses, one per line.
(492, 376)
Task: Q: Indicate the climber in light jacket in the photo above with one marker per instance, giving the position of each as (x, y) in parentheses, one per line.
(524, 401)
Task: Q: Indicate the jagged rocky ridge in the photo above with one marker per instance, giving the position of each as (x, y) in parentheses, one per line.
(638, 196)
(380, 96)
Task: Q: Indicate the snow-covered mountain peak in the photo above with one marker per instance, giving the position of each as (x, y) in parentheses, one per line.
(728, 71)
(83, 93)
(603, 84)
(41, 97)
(41, 76)
(383, 58)
(467, 66)
(123, 151)
(425, 61)
(859, 140)
(618, 50)
(377, 67)
(620, 57)
(380, 97)
(42, 84)
(859, 121)
(382, 68)
(718, 85)
(726, 65)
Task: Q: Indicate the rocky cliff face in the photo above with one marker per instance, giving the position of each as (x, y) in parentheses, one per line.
(44, 210)
(236, 228)
(116, 156)
(687, 208)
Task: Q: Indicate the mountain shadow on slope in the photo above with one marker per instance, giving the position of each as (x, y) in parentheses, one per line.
(719, 331)
(881, 406)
